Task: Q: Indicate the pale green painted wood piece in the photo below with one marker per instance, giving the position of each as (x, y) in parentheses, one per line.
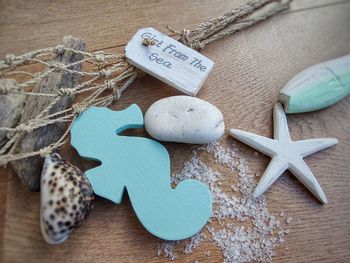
(140, 166)
(317, 87)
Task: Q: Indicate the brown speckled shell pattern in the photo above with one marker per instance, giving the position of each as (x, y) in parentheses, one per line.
(66, 199)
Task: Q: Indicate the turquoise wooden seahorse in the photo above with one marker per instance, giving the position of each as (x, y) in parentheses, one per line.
(140, 166)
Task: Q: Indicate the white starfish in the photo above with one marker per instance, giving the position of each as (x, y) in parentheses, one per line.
(285, 154)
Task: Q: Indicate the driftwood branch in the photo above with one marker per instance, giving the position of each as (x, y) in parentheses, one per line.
(11, 106)
(29, 169)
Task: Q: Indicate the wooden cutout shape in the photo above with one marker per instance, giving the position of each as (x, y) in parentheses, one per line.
(317, 87)
(168, 60)
(141, 166)
(286, 154)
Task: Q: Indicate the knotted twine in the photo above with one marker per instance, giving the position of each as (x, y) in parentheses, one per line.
(113, 70)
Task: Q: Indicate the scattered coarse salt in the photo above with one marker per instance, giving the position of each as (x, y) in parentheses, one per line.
(193, 242)
(241, 226)
(167, 249)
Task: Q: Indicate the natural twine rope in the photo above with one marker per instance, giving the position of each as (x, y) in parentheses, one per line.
(111, 69)
(229, 23)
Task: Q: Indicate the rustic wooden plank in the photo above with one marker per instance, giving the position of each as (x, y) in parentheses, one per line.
(29, 169)
(264, 59)
(250, 69)
(114, 22)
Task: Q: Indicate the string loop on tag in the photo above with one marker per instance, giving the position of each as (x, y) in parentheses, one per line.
(148, 42)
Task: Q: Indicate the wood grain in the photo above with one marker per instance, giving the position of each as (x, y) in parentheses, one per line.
(10, 108)
(29, 169)
(250, 68)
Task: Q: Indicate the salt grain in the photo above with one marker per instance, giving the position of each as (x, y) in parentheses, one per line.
(193, 242)
(231, 210)
(167, 249)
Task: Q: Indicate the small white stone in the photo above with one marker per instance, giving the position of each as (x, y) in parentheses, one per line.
(184, 119)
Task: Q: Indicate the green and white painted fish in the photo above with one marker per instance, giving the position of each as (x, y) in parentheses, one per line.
(317, 87)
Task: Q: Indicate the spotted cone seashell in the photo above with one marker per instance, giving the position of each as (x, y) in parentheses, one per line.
(66, 199)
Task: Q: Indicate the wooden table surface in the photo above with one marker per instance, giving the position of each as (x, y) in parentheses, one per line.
(250, 68)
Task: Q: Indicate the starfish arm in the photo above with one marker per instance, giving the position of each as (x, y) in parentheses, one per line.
(260, 143)
(281, 132)
(274, 170)
(307, 147)
(300, 169)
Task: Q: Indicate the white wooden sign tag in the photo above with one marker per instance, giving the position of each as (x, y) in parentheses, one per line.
(168, 60)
